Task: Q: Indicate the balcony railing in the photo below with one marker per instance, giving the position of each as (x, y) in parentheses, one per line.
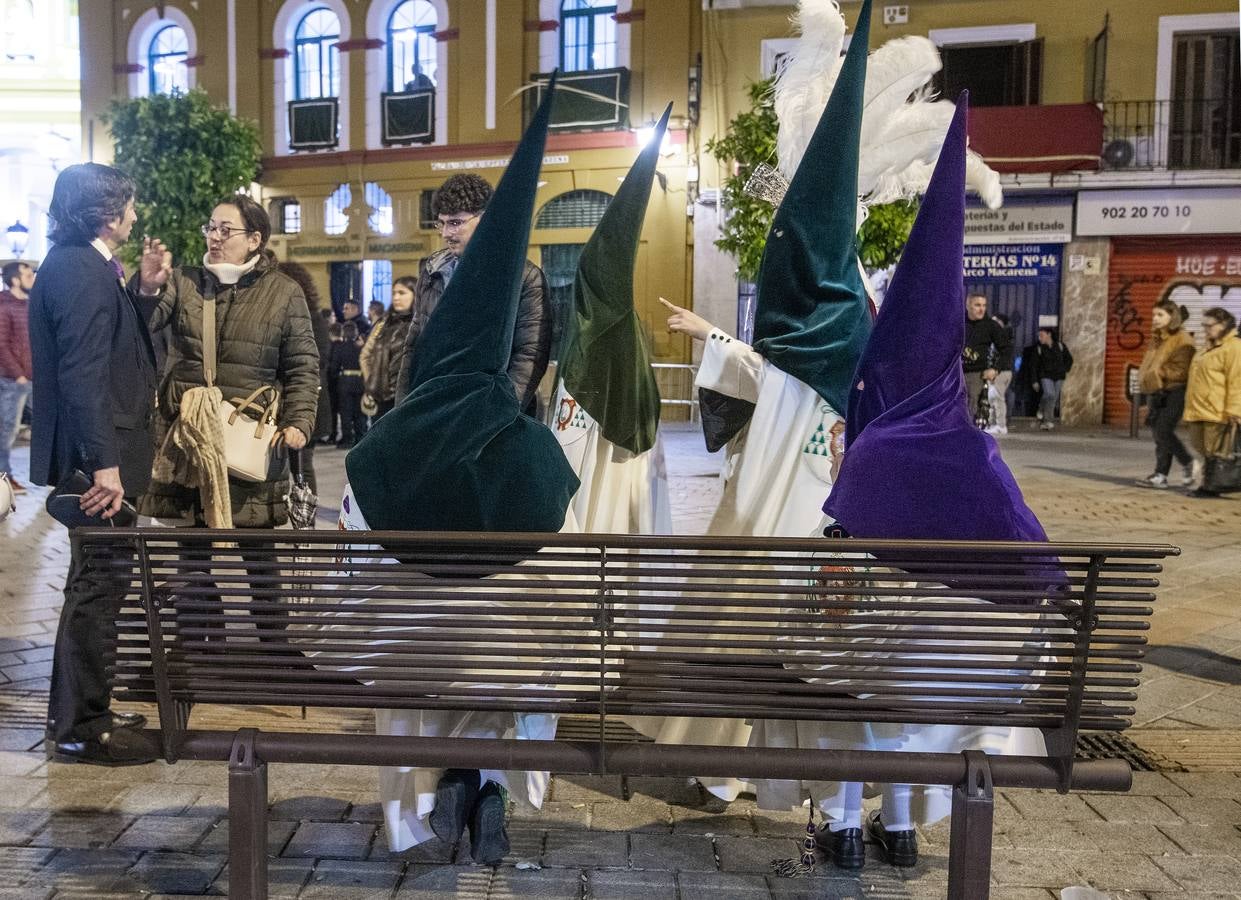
(409, 117)
(1172, 134)
(596, 100)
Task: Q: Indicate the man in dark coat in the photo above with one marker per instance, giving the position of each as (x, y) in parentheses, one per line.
(988, 350)
(94, 392)
(458, 205)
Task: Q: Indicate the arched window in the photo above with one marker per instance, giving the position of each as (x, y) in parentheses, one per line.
(335, 215)
(316, 61)
(380, 202)
(574, 209)
(411, 42)
(166, 56)
(587, 35)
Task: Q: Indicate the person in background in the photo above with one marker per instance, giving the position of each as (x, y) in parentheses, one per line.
(1052, 362)
(421, 81)
(384, 353)
(319, 326)
(1162, 377)
(1003, 361)
(988, 344)
(334, 334)
(94, 394)
(347, 370)
(1213, 393)
(16, 365)
(352, 312)
(459, 204)
(375, 311)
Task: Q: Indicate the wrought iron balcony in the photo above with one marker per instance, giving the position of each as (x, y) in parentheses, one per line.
(1172, 134)
(595, 100)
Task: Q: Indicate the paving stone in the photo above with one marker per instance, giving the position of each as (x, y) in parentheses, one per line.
(176, 873)
(585, 849)
(164, 833)
(639, 813)
(337, 840)
(1017, 869)
(586, 787)
(1209, 786)
(18, 826)
(319, 809)
(625, 884)
(1052, 807)
(161, 799)
(1120, 872)
(1122, 808)
(697, 821)
(543, 884)
(1205, 810)
(1117, 837)
(1201, 874)
(13, 762)
(525, 846)
(428, 852)
(680, 791)
(365, 812)
(671, 852)
(16, 791)
(85, 871)
(445, 883)
(722, 886)
(1205, 840)
(285, 878)
(82, 830)
(278, 834)
(753, 854)
(18, 864)
(554, 814)
(339, 880)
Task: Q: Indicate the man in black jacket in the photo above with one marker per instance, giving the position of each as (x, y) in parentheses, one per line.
(988, 351)
(458, 205)
(94, 391)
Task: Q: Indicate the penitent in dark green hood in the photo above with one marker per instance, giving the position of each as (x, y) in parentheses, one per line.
(812, 317)
(457, 454)
(606, 365)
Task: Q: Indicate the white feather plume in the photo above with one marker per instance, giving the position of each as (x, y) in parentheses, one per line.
(903, 128)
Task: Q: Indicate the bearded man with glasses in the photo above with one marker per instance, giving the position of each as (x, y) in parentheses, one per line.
(458, 205)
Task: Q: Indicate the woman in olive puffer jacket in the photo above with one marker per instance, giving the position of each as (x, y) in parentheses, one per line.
(264, 340)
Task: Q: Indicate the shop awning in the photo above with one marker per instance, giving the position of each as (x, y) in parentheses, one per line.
(1060, 138)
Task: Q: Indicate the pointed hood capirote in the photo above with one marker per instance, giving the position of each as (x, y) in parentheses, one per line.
(457, 454)
(812, 316)
(915, 465)
(606, 364)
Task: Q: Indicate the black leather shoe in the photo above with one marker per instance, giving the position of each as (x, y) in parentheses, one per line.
(488, 836)
(455, 796)
(900, 847)
(128, 720)
(123, 747)
(845, 848)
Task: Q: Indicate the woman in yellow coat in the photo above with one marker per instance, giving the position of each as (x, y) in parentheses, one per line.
(1213, 395)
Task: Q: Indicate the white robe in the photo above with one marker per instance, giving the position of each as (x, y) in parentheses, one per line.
(621, 492)
(777, 475)
(407, 793)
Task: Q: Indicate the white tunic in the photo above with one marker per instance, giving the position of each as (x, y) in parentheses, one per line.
(777, 475)
(621, 493)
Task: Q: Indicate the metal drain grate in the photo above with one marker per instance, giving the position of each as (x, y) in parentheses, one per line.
(586, 728)
(1107, 745)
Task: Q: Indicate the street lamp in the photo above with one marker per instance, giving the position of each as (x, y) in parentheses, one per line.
(16, 236)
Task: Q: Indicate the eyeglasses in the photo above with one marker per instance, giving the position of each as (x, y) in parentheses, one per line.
(223, 231)
(453, 224)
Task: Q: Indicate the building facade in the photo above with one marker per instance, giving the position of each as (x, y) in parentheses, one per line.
(1119, 138)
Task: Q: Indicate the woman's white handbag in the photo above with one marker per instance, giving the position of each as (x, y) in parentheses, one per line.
(247, 441)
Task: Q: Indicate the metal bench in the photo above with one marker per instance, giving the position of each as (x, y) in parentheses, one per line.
(606, 626)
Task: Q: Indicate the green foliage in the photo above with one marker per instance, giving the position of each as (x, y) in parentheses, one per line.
(750, 140)
(184, 154)
(884, 233)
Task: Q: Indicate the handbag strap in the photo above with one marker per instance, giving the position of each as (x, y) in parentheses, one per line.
(209, 341)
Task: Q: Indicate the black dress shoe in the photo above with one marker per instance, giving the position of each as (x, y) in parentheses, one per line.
(455, 796)
(123, 747)
(488, 836)
(845, 848)
(128, 720)
(900, 847)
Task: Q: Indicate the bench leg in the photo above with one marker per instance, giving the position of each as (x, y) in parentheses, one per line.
(247, 820)
(973, 812)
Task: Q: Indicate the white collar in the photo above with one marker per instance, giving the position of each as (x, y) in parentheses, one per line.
(227, 273)
(99, 245)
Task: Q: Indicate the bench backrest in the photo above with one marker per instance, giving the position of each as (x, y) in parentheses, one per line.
(1039, 635)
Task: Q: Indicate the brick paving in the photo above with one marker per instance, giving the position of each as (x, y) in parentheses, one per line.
(160, 831)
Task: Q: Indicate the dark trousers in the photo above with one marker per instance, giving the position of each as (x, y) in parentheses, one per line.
(1165, 409)
(77, 708)
(333, 396)
(352, 421)
(267, 629)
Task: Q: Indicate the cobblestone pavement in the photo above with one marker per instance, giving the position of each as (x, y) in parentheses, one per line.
(79, 831)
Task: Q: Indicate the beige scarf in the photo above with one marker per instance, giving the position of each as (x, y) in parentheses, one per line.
(192, 454)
